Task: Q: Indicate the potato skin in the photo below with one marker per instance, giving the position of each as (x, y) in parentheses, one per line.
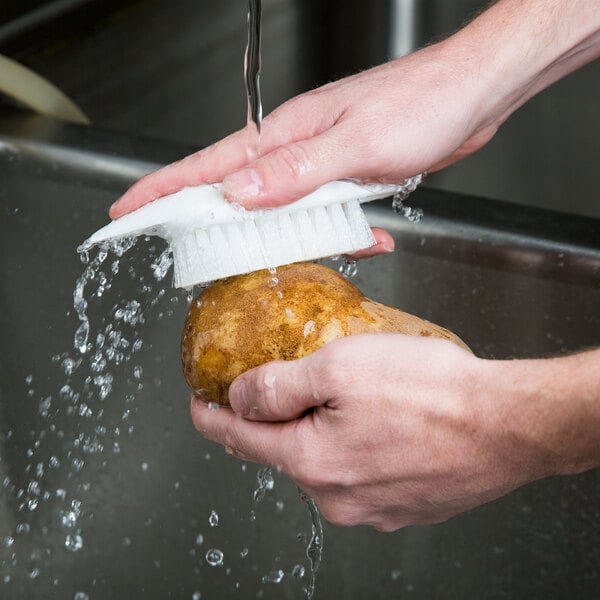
(244, 321)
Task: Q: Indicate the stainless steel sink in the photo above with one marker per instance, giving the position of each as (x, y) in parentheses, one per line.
(132, 520)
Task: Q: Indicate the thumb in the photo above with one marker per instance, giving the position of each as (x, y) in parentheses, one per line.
(276, 391)
(290, 172)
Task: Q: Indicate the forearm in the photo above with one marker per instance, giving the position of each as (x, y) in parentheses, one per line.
(517, 48)
(552, 407)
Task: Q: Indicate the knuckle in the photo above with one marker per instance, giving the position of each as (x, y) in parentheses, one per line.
(231, 439)
(197, 417)
(263, 398)
(293, 159)
(332, 372)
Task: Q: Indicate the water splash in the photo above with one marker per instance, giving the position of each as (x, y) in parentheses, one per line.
(414, 215)
(265, 481)
(274, 576)
(73, 430)
(314, 552)
(348, 267)
(214, 557)
(213, 519)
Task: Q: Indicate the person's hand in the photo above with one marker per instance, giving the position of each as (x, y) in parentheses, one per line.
(386, 124)
(411, 115)
(433, 437)
(415, 114)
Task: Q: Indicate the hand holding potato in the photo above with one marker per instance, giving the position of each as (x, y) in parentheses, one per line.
(244, 321)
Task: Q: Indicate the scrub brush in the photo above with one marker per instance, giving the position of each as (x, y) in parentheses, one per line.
(211, 238)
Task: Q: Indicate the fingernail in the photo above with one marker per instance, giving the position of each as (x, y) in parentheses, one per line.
(243, 185)
(238, 397)
(114, 209)
(387, 246)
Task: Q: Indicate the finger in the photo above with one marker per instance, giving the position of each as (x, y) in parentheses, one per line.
(278, 391)
(384, 244)
(286, 124)
(266, 443)
(292, 171)
(206, 166)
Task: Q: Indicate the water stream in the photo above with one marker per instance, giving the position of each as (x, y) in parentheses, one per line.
(78, 436)
(88, 424)
(252, 65)
(252, 76)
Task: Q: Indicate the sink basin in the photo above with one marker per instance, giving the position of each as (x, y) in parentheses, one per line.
(108, 493)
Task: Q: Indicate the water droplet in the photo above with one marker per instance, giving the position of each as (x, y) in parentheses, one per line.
(214, 406)
(274, 577)
(196, 596)
(309, 327)
(77, 464)
(81, 596)
(273, 282)
(298, 571)
(244, 552)
(160, 267)
(214, 557)
(199, 539)
(414, 215)
(33, 488)
(265, 481)
(68, 518)
(348, 268)
(22, 528)
(213, 519)
(74, 542)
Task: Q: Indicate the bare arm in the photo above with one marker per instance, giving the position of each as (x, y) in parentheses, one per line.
(441, 433)
(417, 113)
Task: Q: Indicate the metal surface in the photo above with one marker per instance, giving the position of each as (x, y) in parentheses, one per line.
(511, 281)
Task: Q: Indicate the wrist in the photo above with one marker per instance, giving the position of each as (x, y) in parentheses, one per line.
(550, 408)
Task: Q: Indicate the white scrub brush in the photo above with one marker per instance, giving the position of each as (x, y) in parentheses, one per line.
(211, 238)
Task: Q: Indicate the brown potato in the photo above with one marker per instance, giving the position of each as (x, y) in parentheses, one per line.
(244, 321)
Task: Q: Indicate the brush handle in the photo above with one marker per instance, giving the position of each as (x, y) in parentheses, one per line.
(205, 206)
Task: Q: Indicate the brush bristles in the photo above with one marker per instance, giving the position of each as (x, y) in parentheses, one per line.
(272, 240)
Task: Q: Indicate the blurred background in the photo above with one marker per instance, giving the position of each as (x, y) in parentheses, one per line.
(172, 70)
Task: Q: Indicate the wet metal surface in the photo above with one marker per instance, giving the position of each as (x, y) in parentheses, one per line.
(512, 282)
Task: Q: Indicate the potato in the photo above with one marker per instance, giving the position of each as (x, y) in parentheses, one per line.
(244, 321)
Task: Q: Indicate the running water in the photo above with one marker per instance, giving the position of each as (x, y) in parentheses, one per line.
(314, 552)
(254, 122)
(414, 215)
(252, 76)
(73, 434)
